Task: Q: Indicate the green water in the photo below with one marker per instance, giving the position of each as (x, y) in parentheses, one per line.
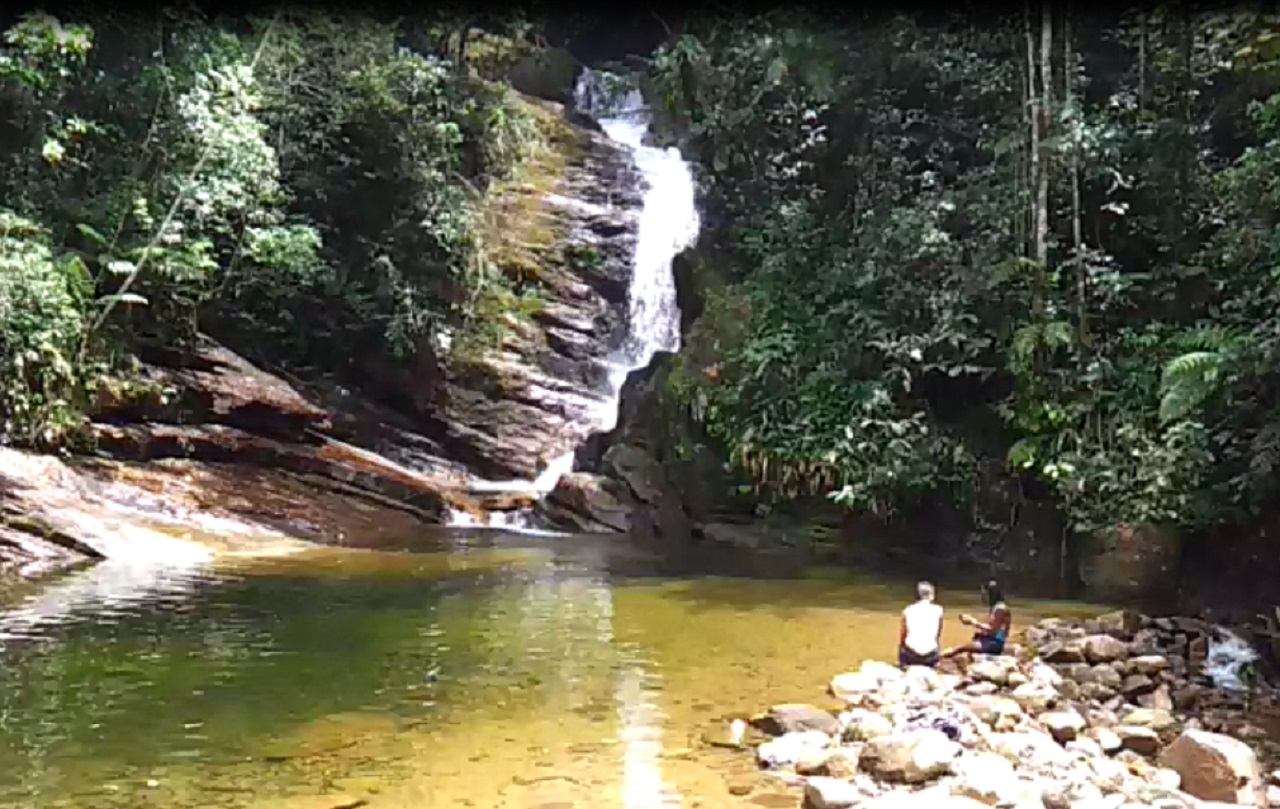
(433, 678)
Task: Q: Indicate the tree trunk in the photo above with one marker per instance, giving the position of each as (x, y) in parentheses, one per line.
(1142, 62)
(1033, 150)
(1046, 124)
(1077, 230)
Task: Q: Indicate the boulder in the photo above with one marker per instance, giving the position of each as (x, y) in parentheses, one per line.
(1071, 650)
(1030, 749)
(1136, 685)
(796, 718)
(1001, 713)
(1104, 649)
(911, 757)
(1034, 698)
(1087, 747)
(988, 778)
(588, 503)
(1122, 624)
(863, 726)
(840, 762)
(1141, 740)
(1107, 739)
(210, 384)
(1149, 718)
(1150, 664)
(1107, 773)
(1214, 767)
(823, 792)
(786, 750)
(992, 669)
(638, 469)
(1064, 726)
(1106, 675)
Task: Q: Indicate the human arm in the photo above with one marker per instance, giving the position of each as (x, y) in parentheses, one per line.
(902, 629)
(999, 620)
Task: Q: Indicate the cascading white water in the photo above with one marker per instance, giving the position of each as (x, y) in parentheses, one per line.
(669, 223)
(1227, 656)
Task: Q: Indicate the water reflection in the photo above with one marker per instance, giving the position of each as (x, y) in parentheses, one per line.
(107, 590)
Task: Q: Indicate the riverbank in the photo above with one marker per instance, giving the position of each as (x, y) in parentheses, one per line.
(1119, 711)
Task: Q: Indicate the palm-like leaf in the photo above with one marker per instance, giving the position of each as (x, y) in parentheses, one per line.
(1187, 381)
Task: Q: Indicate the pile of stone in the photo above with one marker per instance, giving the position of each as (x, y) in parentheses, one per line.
(1016, 733)
(1124, 658)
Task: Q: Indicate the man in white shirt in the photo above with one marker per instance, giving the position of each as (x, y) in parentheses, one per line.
(920, 630)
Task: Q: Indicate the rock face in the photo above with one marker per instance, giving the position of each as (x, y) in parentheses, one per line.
(506, 411)
(1132, 563)
(209, 384)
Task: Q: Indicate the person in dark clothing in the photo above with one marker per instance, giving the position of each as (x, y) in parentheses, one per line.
(989, 636)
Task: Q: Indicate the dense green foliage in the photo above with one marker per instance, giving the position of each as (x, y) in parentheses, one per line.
(1044, 242)
(305, 188)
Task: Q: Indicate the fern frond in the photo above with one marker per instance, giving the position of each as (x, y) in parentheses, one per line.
(1187, 381)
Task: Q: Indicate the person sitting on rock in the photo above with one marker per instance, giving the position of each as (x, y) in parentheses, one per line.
(920, 630)
(989, 637)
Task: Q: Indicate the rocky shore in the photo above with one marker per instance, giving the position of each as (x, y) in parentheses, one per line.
(1119, 712)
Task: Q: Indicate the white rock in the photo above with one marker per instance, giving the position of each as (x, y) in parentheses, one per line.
(786, 750)
(1104, 802)
(1147, 664)
(992, 668)
(1064, 726)
(1104, 649)
(863, 726)
(853, 686)
(1000, 713)
(985, 777)
(821, 792)
(911, 757)
(882, 672)
(1165, 778)
(923, 679)
(1107, 739)
(1045, 674)
(1035, 750)
(1108, 773)
(1153, 718)
(1035, 698)
(925, 799)
(1087, 748)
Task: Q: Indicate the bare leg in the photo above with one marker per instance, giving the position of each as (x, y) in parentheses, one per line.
(972, 647)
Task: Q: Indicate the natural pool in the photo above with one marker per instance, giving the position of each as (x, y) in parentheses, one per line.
(467, 669)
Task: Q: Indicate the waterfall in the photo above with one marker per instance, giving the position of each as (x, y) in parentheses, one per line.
(1227, 655)
(669, 223)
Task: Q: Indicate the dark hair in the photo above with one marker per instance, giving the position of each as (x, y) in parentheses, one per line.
(993, 593)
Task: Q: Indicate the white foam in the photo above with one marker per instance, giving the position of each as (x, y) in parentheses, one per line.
(1228, 653)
